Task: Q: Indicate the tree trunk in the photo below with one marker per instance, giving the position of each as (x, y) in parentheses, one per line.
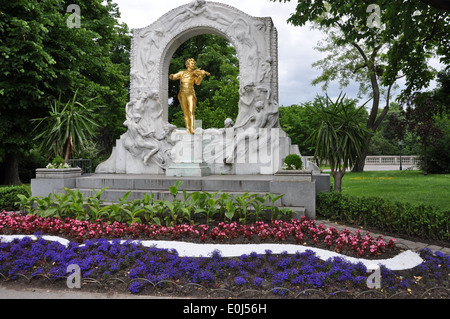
(425, 160)
(68, 149)
(11, 170)
(338, 175)
(361, 161)
(375, 119)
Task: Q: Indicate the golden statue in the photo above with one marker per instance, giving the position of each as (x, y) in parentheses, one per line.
(187, 97)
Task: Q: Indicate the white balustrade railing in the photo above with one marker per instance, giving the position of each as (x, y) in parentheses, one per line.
(385, 160)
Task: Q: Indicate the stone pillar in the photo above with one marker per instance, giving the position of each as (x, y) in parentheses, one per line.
(299, 189)
(52, 181)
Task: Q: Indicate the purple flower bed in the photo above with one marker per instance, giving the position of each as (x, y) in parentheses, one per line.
(146, 269)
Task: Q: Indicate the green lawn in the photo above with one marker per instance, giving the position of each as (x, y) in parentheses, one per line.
(406, 186)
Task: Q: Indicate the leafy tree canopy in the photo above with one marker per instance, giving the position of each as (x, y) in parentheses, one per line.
(42, 58)
(414, 30)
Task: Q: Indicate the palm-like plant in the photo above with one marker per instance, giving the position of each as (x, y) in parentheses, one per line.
(341, 136)
(67, 127)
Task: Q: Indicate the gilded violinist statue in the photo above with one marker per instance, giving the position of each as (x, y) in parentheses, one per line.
(187, 97)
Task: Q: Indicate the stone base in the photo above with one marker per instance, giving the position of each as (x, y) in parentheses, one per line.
(225, 151)
(53, 181)
(188, 169)
(299, 191)
(57, 173)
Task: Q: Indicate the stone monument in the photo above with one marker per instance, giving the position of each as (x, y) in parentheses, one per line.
(246, 155)
(253, 144)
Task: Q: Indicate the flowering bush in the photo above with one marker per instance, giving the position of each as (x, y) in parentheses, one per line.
(303, 231)
(58, 162)
(101, 259)
(65, 165)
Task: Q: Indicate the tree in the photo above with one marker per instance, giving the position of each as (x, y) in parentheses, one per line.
(415, 31)
(340, 138)
(362, 64)
(441, 95)
(374, 40)
(66, 129)
(427, 116)
(299, 122)
(218, 96)
(438, 4)
(42, 58)
(420, 113)
(438, 160)
(26, 72)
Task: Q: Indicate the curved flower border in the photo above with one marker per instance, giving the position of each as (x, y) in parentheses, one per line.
(282, 273)
(300, 230)
(405, 260)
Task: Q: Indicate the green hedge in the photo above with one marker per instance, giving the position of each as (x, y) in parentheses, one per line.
(8, 196)
(422, 221)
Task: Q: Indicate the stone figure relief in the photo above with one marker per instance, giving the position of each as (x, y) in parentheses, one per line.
(244, 36)
(247, 96)
(266, 69)
(260, 118)
(256, 108)
(261, 25)
(147, 137)
(197, 8)
(257, 111)
(145, 66)
(229, 123)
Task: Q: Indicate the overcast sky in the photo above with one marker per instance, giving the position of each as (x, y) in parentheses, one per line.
(295, 44)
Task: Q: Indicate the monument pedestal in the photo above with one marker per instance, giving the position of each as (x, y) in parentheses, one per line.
(187, 156)
(188, 169)
(53, 181)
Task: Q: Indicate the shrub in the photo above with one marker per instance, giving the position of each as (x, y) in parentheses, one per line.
(57, 161)
(438, 157)
(293, 161)
(402, 218)
(8, 196)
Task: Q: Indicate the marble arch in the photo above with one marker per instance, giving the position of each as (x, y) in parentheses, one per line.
(254, 38)
(253, 144)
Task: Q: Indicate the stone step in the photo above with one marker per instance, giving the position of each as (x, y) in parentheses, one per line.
(299, 189)
(153, 182)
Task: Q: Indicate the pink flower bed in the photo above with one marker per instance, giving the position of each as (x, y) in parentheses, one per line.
(303, 231)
